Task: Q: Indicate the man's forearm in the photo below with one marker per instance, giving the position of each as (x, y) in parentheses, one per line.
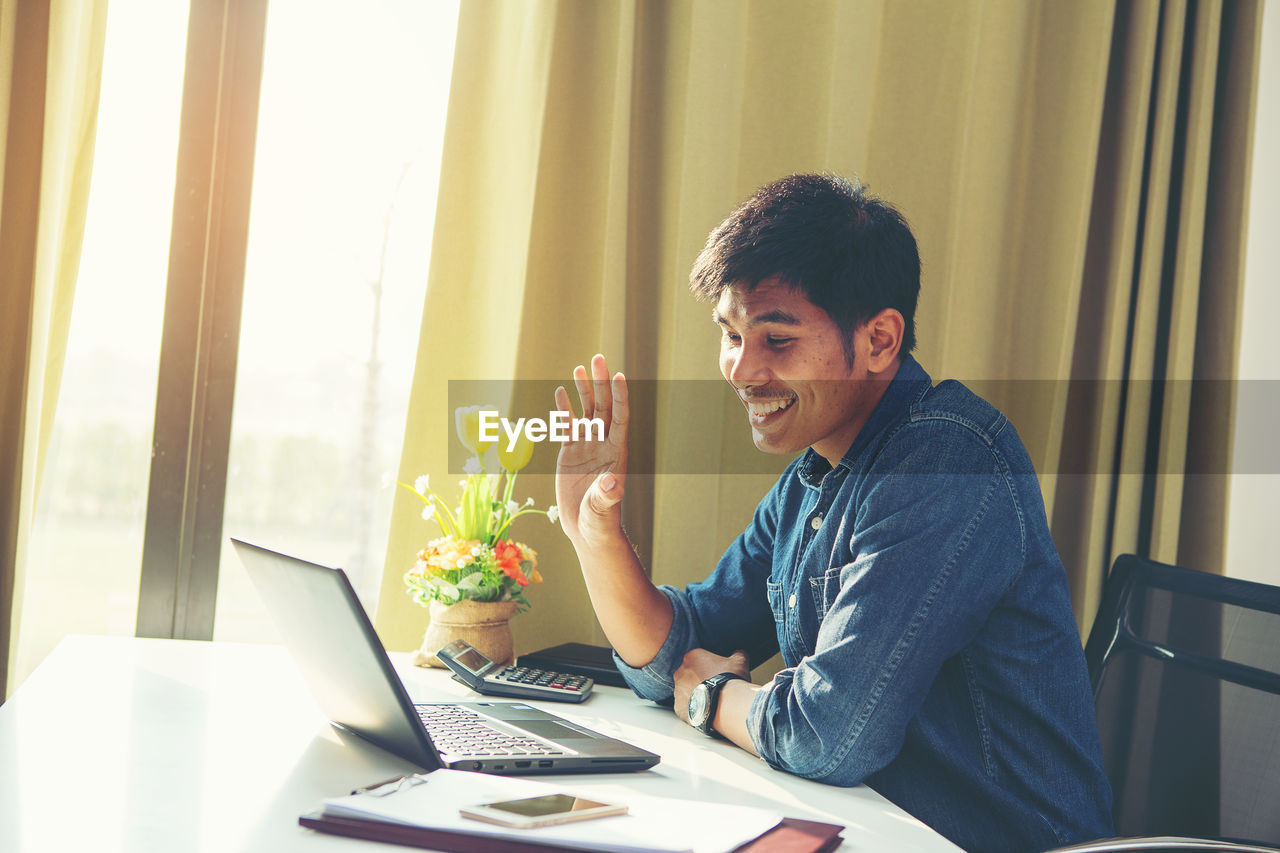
(731, 714)
(635, 615)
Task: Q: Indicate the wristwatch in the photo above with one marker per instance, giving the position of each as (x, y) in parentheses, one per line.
(704, 700)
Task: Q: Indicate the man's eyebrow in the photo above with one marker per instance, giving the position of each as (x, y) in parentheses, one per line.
(777, 315)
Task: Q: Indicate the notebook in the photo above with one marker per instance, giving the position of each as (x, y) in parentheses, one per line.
(431, 803)
(594, 662)
(343, 661)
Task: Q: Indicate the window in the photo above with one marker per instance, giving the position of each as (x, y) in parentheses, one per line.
(1254, 483)
(350, 122)
(86, 547)
(348, 159)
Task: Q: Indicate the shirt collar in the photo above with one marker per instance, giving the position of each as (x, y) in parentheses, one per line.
(907, 386)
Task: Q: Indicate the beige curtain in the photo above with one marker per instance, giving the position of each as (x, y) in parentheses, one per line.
(1157, 321)
(1073, 173)
(50, 69)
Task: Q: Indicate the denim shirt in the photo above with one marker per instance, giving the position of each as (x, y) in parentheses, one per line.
(925, 624)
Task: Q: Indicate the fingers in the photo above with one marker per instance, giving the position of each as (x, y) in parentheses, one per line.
(600, 387)
(600, 397)
(602, 496)
(585, 396)
(621, 410)
(701, 664)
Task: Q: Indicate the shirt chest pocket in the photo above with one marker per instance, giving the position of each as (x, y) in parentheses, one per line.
(790, 637)
(824, 589)
(774, 591)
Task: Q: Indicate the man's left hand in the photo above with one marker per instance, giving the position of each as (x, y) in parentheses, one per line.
(698, 666)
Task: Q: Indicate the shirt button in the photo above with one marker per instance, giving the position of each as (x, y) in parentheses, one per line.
(791, 602)
(816, 522)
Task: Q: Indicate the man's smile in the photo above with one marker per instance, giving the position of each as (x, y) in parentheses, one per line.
(761, 409)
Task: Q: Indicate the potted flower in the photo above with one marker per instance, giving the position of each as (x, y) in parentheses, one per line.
(472, 577)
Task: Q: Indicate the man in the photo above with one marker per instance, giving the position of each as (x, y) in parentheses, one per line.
(902, 564)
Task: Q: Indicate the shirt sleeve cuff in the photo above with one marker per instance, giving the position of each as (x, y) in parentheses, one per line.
(758, 717)
(655, 680)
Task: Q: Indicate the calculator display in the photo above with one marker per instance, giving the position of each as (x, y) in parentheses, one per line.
(473, 660)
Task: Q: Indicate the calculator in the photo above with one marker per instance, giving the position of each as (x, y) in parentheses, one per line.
(474, 669)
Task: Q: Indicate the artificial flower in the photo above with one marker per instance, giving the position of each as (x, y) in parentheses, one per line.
(508, 556)
(467, 422)
(475, 558)
(513, 456)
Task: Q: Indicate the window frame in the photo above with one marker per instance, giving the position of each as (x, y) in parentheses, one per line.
(203, 297)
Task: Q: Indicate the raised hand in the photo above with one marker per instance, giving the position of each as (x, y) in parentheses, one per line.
(590, 473)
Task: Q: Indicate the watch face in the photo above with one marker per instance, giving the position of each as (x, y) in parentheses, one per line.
(699, 704)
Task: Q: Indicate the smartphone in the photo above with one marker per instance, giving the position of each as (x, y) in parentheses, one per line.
(546, 810)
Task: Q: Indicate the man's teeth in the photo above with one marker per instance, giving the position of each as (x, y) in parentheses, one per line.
(768, 407)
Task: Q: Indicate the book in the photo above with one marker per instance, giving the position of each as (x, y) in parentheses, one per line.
(577, 659)
(791, 835)
(423, 810)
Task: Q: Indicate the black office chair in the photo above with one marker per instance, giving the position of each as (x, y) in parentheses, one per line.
(1186, 677)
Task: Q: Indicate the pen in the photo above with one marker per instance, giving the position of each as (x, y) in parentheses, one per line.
(380, 789)
(368, 788)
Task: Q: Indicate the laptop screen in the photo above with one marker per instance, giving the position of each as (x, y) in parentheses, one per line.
(330, 637)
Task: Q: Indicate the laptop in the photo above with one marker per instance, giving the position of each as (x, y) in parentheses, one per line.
(343, 661)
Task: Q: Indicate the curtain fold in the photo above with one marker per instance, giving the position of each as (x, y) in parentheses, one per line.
(51, 62)
(1148, 431)
(529, 247)
(1074, 174)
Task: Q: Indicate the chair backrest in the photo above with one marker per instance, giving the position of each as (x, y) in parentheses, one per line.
(1186, 678)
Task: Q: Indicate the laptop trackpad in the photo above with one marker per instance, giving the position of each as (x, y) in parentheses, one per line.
(549, 729)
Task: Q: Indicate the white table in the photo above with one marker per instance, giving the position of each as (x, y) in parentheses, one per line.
(170, 745)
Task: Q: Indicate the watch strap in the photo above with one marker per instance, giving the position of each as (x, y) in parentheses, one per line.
(714, 685)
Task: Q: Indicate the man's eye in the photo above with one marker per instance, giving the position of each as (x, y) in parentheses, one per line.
(779, 342)
(732, 338)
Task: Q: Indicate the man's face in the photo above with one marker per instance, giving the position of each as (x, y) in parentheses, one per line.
(785, 357)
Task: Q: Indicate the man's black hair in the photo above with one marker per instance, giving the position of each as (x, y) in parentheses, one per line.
(848, 252)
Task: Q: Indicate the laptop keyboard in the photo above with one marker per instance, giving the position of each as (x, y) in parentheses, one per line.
(461, 731)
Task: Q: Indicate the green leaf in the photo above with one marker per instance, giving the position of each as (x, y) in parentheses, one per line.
(445, 588)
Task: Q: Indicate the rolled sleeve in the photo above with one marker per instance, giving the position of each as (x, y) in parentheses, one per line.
(655, 680)
(760, 731)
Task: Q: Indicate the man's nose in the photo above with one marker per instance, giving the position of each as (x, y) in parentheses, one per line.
(747, 368)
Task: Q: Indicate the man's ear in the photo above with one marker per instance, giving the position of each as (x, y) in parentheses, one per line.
(884, 334)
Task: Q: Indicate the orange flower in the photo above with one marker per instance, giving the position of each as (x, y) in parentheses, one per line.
(446, 553)
(508, 556)
(532, 556)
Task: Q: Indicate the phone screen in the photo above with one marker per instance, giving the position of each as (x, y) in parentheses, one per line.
(551, 804)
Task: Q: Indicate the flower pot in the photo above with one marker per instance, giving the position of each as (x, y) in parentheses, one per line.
(485, 625)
